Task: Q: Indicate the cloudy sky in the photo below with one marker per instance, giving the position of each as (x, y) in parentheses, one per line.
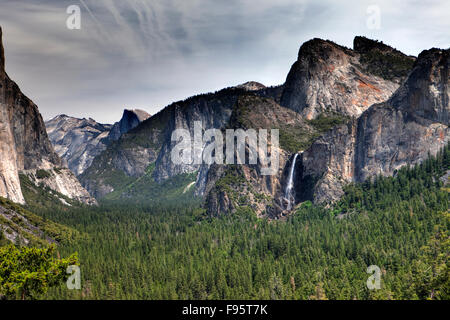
(148, 53)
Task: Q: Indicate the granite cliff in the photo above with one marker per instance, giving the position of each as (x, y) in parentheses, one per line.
(378, 139)
(77, 141)
(130, 120)
(146, 149)
(344, 115)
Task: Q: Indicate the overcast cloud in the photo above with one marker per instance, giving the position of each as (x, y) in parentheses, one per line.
(148, 53)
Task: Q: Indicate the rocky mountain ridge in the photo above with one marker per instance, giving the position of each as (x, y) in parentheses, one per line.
(344, 115)
(22, 227)
(150, 143)
(401, 131)
(131, 118)
(404, 130)
(79, 141)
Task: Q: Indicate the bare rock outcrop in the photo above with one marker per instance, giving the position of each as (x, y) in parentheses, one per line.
(331, 78)
(131, 118)
(404, 130)
(79, 141)
(24, 143)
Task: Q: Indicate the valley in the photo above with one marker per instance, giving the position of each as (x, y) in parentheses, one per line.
(360, 179)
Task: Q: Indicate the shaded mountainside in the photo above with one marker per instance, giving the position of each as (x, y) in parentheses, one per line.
(382, 60)
(25, 146)
(230, 186)
(77, 141)
(24, 227)
(133, 155)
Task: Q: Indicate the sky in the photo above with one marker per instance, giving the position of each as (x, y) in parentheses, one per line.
(147, 54)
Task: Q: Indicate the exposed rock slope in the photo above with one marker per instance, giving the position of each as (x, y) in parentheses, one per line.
(348, 114)
(227, 187)
(79, 141)
(24, 144)
(130, 120)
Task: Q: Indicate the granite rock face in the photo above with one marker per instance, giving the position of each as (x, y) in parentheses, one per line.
(24, 143)
(60, 180)
(212, 111)
(251, 86)
(331, 78)
(226, 187)
(9, 177)
(77, 141)
(130, 120)
(347, 114)
(401, 131)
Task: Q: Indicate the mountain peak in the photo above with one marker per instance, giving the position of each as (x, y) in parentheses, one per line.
(251, 86)
(131, 118)
(26, 149)
(60, 116)
(330, 78)
(320, 47)
(77, 141)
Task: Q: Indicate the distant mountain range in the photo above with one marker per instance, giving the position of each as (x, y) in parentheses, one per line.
(344, 115)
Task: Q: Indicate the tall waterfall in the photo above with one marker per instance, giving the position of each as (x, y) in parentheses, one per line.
(288, 194)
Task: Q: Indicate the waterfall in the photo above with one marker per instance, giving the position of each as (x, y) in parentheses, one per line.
(288, 195)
